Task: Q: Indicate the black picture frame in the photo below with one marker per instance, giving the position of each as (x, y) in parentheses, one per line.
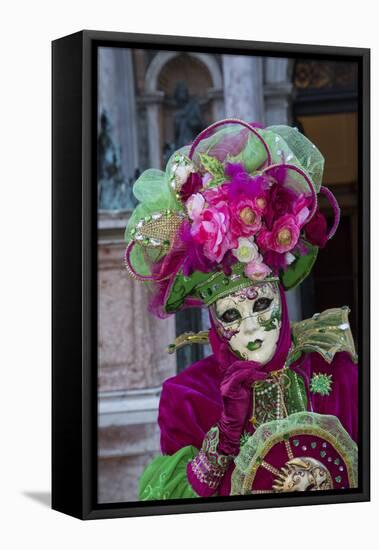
(74, 273)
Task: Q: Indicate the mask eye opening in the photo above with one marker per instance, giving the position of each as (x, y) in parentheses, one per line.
(261, 304)
(231, 315)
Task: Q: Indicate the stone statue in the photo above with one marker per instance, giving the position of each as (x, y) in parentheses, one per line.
(188, 120)
(114, 193)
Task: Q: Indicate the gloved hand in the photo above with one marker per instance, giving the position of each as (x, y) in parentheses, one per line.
(236, 397)
(206, 470)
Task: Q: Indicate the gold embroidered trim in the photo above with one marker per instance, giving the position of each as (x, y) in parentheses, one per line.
(186, 338)
(289, 450)
(269, 467)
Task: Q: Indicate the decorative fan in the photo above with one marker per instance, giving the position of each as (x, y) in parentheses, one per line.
(303, 452)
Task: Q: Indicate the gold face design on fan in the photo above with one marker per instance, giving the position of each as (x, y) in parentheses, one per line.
(302, 474)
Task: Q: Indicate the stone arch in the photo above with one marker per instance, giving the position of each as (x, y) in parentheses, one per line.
(154, 96)
(162, 58)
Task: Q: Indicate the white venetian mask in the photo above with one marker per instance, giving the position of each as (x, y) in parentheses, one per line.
(250, 319)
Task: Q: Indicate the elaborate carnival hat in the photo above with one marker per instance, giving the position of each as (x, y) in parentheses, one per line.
(237, 206)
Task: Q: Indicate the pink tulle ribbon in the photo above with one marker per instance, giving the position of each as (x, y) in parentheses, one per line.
(336, 210)
(208, 131)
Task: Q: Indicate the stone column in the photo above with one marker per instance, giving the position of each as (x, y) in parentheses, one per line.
(243, 87)
(153, 102)
(117, 98)
(277, 90)
(216, 96)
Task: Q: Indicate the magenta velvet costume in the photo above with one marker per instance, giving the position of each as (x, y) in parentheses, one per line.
(231, 216)
(191, 403)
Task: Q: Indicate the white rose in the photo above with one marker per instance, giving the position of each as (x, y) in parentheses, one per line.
(247, 250)
(181, 172)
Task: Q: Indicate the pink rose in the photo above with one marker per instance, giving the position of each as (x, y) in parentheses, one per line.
(257, 270)
(195, 205)
(260, 203)
(246, 220)
(212, 230)
(283, 236)
(217, 195)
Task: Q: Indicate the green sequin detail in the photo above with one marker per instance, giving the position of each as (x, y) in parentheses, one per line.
(321, 383)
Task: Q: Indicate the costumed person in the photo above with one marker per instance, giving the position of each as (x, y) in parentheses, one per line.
(231, 225)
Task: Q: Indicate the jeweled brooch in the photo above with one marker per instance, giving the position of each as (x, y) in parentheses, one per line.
(321, 383)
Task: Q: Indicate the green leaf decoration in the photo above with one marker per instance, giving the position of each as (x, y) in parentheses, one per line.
(271, 323)
(326, 333)
(214, 167)
(300, 268)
